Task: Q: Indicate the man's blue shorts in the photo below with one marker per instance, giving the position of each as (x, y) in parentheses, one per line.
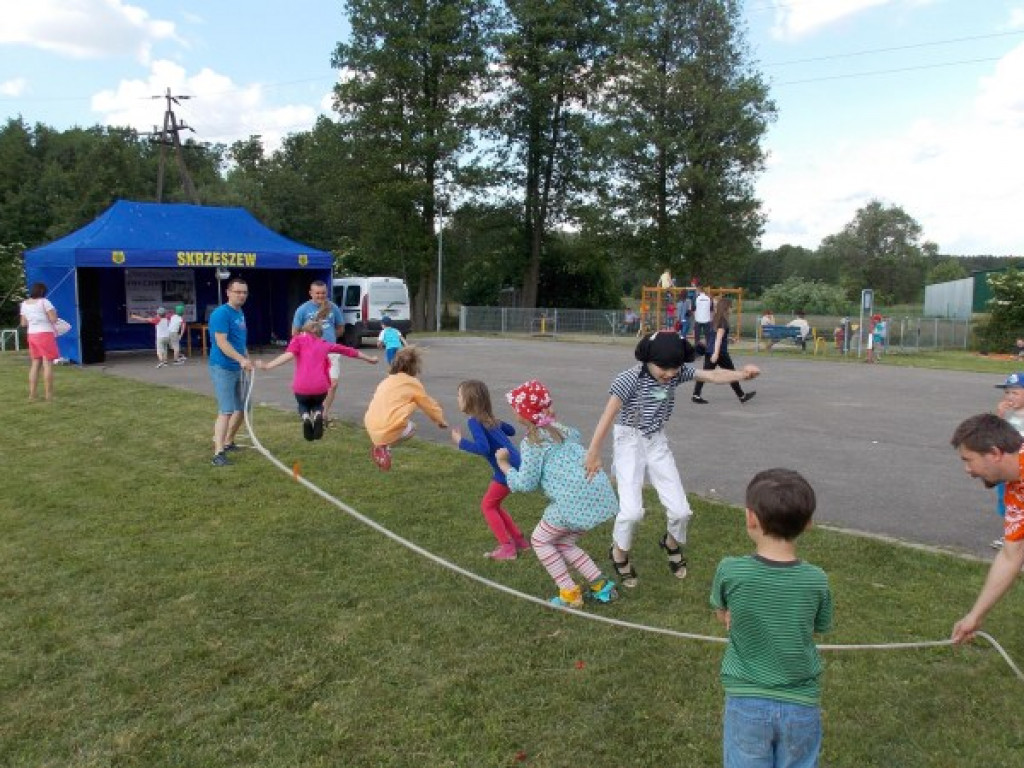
(227, 386)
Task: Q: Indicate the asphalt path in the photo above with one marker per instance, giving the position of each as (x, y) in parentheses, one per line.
(873, 440)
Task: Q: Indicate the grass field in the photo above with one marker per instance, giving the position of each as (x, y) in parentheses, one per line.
(157, 611)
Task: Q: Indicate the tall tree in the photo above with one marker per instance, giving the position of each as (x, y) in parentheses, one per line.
(52, 182)
(23, 214)
(12, 281)
(551, 53)
(881, 249)
(411, 72)
(682, 119)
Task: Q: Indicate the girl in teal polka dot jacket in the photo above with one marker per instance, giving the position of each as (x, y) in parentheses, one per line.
(551, 458)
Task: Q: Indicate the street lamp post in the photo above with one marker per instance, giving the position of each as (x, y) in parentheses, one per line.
(440, 260)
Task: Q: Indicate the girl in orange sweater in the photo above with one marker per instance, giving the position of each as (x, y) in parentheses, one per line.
(387, 418)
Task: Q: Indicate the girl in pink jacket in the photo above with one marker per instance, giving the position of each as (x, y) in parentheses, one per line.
(312, 379)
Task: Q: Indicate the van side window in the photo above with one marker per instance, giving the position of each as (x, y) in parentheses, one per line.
(351, 296)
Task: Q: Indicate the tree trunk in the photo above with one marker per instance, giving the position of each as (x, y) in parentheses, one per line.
(531, 278)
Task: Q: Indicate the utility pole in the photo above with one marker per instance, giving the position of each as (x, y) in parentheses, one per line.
(168, 137)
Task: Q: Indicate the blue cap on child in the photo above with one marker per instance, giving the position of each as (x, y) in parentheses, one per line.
(1013, 381)
(385, 320)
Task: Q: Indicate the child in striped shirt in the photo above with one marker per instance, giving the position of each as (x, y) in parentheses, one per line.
(641, 402)
(772, 603)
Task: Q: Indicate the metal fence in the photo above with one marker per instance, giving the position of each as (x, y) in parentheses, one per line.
(906, 334)
(547, 322)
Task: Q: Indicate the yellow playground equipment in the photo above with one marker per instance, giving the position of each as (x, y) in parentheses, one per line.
(655, 303)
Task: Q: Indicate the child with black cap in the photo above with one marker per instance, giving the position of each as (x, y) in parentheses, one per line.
(641, 402)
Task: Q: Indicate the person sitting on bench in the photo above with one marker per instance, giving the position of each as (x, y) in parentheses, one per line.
(805, 330)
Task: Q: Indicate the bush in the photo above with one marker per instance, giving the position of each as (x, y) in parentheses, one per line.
(1006, 319)
(811, 296)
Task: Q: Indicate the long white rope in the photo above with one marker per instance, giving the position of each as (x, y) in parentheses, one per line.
(295, 473)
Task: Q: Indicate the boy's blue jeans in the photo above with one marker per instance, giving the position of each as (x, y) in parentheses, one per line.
(764, 733)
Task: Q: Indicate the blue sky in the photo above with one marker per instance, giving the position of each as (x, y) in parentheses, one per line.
(917, 103)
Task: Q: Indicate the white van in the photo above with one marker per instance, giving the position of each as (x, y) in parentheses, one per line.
(363, 300)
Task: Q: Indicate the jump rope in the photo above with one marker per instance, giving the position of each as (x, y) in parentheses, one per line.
(296, 474)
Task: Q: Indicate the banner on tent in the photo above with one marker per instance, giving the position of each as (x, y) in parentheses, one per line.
(148, 289)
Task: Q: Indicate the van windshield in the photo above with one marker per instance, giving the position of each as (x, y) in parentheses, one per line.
(385, 293)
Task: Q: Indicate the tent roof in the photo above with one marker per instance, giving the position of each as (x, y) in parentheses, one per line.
(132, 234)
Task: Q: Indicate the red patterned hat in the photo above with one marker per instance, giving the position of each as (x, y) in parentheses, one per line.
(532, 401)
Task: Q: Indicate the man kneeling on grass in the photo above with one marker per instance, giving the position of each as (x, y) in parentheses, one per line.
(990, 448)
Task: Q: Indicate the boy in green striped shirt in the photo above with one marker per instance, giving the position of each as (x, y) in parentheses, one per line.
(772, 603)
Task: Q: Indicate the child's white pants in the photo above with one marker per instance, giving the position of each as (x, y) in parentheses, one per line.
(633, 455)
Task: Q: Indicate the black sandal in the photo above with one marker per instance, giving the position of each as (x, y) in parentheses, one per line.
(676, 560)
(624, 569)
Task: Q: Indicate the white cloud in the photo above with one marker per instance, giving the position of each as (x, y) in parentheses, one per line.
(219, 110)
(794, 20)
(84, 29)
(1001, 99)
(15, 87)
(960, 178)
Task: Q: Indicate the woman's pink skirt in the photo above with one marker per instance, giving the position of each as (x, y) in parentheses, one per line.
(43, 345)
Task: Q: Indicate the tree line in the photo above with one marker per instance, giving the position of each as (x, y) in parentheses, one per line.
(569, 149)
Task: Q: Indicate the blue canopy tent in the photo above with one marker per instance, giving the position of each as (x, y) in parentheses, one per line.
(137, 256)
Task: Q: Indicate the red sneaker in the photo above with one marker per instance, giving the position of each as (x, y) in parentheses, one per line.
(503, 552)
(381, 456)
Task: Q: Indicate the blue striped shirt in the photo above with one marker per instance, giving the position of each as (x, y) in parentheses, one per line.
(647, 403)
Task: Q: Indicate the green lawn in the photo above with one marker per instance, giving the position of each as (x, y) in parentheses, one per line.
(157, 611)
(950, 360)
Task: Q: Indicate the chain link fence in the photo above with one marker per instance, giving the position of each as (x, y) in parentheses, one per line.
(547, 322)
(906, 334)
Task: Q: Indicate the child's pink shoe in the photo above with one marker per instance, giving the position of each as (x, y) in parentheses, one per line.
(504, 552)
(523, 544)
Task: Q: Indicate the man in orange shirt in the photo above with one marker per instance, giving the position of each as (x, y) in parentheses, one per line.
(991, 451)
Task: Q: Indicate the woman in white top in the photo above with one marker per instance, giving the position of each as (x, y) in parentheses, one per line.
(39, 318)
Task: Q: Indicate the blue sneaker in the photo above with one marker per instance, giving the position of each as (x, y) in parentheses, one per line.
(602, 591)
(232, 447)
(220, 460)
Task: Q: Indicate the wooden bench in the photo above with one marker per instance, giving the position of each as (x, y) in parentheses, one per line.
(774, 333)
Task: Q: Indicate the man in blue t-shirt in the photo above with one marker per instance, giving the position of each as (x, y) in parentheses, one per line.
(332, 324)
(228, 358)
